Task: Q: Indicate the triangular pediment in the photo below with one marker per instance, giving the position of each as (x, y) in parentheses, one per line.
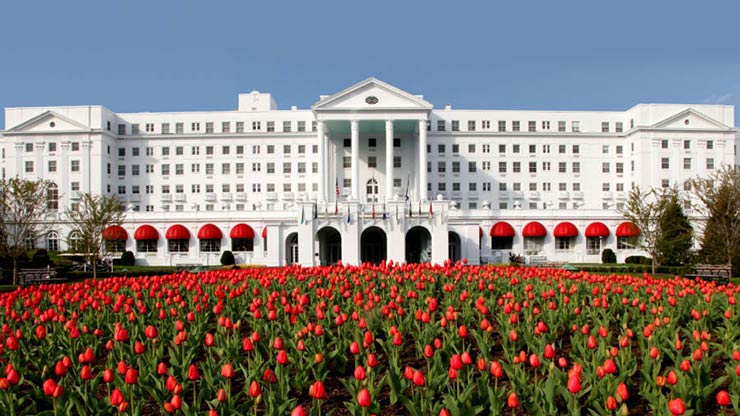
(48, 122)
(372, 94)
(689, 119)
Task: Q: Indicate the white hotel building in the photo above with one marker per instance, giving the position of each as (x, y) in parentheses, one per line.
(369, 173)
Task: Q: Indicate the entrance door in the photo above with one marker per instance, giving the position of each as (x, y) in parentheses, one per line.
(371, 190)
(291, 249)
(330, 245)
(373, 247)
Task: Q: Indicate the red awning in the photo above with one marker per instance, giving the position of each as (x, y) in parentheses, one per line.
(502, 229)
(597, 229)
(264, 232)
(241, 231)
(115, 233)
(534, 229)
(209, 232)
(177, 232)
(146, 232)
(565, 229)
(627, 229)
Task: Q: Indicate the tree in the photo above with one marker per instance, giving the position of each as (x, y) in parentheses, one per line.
(94, 214)
(644, 209)
(674, 247)
(719, 195)
(23, 216)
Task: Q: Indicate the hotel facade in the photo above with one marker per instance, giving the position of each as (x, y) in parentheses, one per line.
(370, 173)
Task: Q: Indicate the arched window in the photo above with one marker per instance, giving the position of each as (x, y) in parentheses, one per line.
(52, 197)
(52, 241)
(74, 242)
(372, 190)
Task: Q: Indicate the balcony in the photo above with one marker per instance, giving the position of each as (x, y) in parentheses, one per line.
(287, 196)
(301, 196)
(241, 196)
(271, 196)
(134, 197)
(606, 195)
(180, 198)
(620, 195)
(577, 195)
(517, 195)
(165, 197)
(534, 195)
(563, 195)
(210, 196)
(226, 196)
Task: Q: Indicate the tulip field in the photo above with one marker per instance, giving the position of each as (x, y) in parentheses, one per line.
(389, 339)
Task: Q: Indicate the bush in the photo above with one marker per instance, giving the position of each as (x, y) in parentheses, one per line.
(227, 258)
(638, 260)
(608, 256)
(127, 258)
(40, 258)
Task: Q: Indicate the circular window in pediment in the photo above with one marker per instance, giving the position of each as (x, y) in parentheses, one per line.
(371, 100)
(52, 124)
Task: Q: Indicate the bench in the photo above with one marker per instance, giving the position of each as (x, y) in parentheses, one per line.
(551, 264)
(42, 275)
(713, 272)
(536, 260)
(184, 267)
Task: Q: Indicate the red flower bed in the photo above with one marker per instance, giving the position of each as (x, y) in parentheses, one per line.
(388, 339)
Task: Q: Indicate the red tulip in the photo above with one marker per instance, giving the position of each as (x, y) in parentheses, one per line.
(278, 343)
(317, 390)
(456, 362)
(359, 373)
(116, 397)
(611, 403)
(210, 340)
(227, 371)
(40, 332)
(193, 373)
(86, 373)
(60, 370)
(108, 375)
(363, 398)
(161, 368)
(139, 348)
(671, 378)
(150, 332)
(282, 357)
(723, 398)
(418, 378)
(372, 361)
(298, 411)
(354, 348)
(622, 392)
(132, 376)
(512, 401)
(221, 395)
(574, 384)
(534, 360)
(49, 386)
(676, 407)
(254, 390)
(549, 352)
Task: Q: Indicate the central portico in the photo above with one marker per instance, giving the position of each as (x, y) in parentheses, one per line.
(371, 118)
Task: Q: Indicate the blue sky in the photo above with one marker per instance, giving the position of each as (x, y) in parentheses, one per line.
(177, 56)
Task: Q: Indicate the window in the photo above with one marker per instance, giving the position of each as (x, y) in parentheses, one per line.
(52, 197)
(545, 148)
(532, 148)
(196, 127)
(240, 167)
(149, 127)
(710, 163)
(195, 167)
(178, 245)
(256, 125)
(74, 166)
(286, 126)
(256, 187)
(150, 151)
(302, 167)
(687, 163)
(347, 142)
(455, 125)
(121, 170)
(593, 245)
(533, 245)
(514, 126)
(665, 183)
(710, 144)
(546, 166)
(179, 128)
(75, 146)
(52, 166)
(576, 149)
(440, 125)
(270, 126)
(605, 127)
(605, 187)
(347, 162)
(52, 241)
(515, 148)
(442, 187)
(687, 144)
(575, 126)
(301, 126)
(618, 127)
(664, 144)
(146, 246)
(576, 167)
(471, 125)
(665, 163)
(372, 162)
(441, 167)
(240, 127)
(209, 150)
(134, 129)
(165, 169)
(75, 186)
(605, 149)
(270, 167)
(122, 152)
(455, 167)
(516, 167)
(532, 167)
(486, 148)
(396, 161)
(620, 149)
(562, 167)
(485, 124)
(564, 243)
(532, 126)
(472, 167)
(225, 150)
(502, 125)
(179, 151)
(52, 147)
(485, 165)
(287, 167)
(545, 125)
(165, 151)
(440, 148)
(486, 186)
(134, 151)
(620, 168)
(121, 189)
(561, 126)
(502, 148)
(121, 129)
(179, 169)
(471, 148)
(149, 168)
(473, 186)
(397, 142)
(195, 188)
(502, 167)
(455, 148)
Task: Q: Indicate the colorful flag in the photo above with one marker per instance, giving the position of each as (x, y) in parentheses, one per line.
(385, 212)
(303, 214)
(420, 207)
(397, 218)
(349, 217)
(336, 199)
(373, 209)
(431, 212)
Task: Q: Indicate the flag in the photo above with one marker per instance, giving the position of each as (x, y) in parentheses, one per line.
(326, 213)
(431, 212)
(303, 214)
(315, 207)
(397, 219)
(349, 218)
(373, 209)
(420, 207)
(408, 179)
(336, 199)
(385, 212)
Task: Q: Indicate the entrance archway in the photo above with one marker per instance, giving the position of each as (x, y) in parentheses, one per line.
(373, 245)
(330, 245)
(453, 246)
(418, 245)
(291, 248)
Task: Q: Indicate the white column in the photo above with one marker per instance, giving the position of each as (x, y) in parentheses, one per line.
(388, 160)
(322, 161)
(355, 129)
(85, 165)
(422, 160)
